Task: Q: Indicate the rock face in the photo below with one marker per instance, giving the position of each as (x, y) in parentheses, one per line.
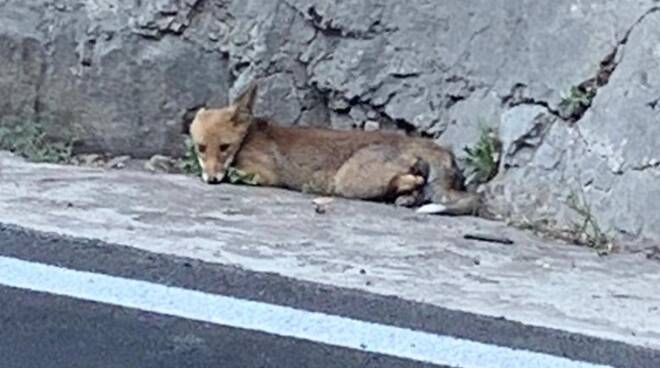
(124, 77)
(118, 77)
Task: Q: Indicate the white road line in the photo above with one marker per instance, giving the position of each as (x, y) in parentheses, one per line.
(272, 319)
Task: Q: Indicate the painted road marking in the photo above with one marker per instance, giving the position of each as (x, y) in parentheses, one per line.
(272, 319)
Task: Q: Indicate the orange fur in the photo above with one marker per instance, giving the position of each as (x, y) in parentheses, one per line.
(352, 164)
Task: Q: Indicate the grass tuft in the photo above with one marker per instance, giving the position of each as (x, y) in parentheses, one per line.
(587, 231)
(237, 176)
(189, 164)
(30, 141)
(483, 159)
(574, 103)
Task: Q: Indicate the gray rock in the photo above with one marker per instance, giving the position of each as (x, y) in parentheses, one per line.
(278, 99)
(358, 114)
(371, 125)
(341, 121)
(87, 70)
(117, 162)
(610, 155)
(521, 132)
(160, 163)
(91, 159)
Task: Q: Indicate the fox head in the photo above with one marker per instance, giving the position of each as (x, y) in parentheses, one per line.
(218, 134)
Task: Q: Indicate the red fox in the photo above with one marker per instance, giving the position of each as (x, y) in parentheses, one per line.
(365, 165)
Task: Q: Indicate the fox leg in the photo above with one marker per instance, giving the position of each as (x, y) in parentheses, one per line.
(406, 183)
(377, 172)
(442, 189)
(409, 187)
(444, 184)
(452, 202)
(411, 199)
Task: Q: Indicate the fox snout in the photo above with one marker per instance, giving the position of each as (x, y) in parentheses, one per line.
(211, 172)
(213, 178)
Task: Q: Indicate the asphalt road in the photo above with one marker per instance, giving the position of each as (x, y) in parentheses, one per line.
(83, 303)
(41, 330)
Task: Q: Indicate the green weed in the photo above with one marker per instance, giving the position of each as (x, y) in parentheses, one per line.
(189, 163)
(483, 159)
(574, 103)
(237, 176)
(587, 231)
(30, 141)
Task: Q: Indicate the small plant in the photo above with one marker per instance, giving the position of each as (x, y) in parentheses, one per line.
(587, 231)
(30, 141)
(483, 159)
(574, 103)
(189, 164)
(237, 176)
(311, 188)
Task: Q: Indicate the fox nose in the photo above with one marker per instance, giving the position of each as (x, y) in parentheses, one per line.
(212, 178)
(209, 179)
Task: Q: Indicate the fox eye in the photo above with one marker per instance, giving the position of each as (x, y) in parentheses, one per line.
(201, 148)
(224, 147)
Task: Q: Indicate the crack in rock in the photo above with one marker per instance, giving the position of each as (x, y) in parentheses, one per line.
(573, 107)
(651, 165)
(589, 88)
(516, 97)
(328, 28)
(170, 18)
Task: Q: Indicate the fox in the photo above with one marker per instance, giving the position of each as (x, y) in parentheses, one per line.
(366, 165)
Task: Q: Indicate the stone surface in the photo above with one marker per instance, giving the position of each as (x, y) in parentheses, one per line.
(118, 162)
(610, 156)
(124, 78)
(361, 245)
(118, 77)
(160, 163)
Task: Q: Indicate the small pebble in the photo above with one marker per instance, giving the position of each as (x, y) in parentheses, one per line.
(322, 204)
(117, 162)
(371, 126)
(160, 163)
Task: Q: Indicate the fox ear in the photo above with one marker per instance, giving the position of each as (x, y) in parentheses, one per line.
(245, 100)
(243, 105)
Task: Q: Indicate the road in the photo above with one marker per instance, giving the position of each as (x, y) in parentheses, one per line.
(67, 302)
